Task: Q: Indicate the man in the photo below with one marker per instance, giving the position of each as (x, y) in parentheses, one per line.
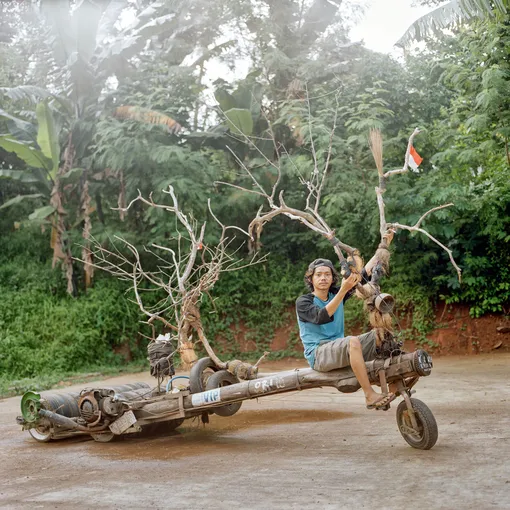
(321, 326)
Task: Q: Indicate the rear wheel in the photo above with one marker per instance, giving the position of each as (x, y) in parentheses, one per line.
(218, 380)
(42, 433)
(423, 437)
(200, 373)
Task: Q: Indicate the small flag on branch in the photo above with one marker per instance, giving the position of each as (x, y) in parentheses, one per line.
(414, 159)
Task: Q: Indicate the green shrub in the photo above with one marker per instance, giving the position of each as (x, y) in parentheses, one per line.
(43, 331)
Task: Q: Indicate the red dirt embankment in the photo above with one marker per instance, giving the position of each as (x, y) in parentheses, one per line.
(458, 333)
(455, 333)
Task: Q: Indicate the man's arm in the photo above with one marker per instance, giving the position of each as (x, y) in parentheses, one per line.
(308, 311)
(347, 284)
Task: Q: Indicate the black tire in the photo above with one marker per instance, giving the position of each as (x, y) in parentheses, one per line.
(217, 380)
(162, 427)
(170, 426)
(104, 437)
(199, 373)
(426, 436)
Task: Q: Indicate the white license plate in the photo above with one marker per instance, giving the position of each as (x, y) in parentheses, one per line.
(123, 423)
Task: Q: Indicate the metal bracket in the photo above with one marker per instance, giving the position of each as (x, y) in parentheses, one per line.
(182, 414)
(382, 379)
(410, 410)
(298, 384)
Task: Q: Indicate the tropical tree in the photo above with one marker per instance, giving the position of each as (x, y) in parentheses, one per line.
(87, 51)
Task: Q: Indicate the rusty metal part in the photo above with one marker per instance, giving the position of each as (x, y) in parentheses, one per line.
(110, 407)
(384, 303)
(410, 410)
(89, 407)
(94, 403)
(81, 412)
(382, 381)
(68, 423)
(103, 437)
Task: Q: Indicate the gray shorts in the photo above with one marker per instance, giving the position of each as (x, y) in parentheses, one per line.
(335, 354)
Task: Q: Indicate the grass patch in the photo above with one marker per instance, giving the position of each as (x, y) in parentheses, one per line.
(13, 387)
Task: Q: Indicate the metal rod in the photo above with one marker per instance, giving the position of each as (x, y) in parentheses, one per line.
(63, 421)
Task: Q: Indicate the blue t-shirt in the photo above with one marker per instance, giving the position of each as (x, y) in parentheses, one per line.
(315, 325)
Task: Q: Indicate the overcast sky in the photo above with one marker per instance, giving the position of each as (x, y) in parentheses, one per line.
(385, 22)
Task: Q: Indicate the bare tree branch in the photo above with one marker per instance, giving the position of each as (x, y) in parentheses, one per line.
(416, 229)
(234, 227)
(326, 166)
(178, 274)
(315, 171)
(248, 172)
(277, 154)
(241, 188)
(376, 148)
(405, 168)
(418, 223)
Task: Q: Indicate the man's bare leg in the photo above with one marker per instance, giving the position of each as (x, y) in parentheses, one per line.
(360, 370)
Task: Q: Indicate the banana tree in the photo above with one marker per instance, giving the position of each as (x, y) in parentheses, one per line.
(38, 147)
(87, 50)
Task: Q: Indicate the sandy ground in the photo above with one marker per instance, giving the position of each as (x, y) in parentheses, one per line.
(311, 449)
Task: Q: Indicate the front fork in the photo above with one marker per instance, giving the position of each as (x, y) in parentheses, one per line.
(403, 388)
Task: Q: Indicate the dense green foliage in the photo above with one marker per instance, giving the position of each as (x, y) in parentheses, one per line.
(300, 69)
(46, 334)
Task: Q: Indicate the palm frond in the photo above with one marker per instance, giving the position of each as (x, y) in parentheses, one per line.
(35, 95)
(26, 92)
(452, 14)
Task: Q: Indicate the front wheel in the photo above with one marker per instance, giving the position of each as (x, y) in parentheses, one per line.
(425, 436)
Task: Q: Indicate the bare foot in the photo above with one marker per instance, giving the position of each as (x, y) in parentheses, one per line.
(372, 397)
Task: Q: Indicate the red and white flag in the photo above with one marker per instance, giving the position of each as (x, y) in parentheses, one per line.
(414, 158)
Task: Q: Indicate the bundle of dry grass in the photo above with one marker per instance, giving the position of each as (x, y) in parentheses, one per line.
(376, 147)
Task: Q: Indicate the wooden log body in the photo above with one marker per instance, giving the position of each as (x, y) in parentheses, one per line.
(185, 405)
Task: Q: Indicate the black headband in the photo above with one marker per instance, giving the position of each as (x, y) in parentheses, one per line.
(319, 263)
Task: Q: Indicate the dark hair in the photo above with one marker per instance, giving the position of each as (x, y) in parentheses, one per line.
(313, 266)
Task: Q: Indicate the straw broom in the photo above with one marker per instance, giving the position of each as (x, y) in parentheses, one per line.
(381, 322)
(375, 142)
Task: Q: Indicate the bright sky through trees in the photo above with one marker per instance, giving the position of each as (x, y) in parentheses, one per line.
(385, 22)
